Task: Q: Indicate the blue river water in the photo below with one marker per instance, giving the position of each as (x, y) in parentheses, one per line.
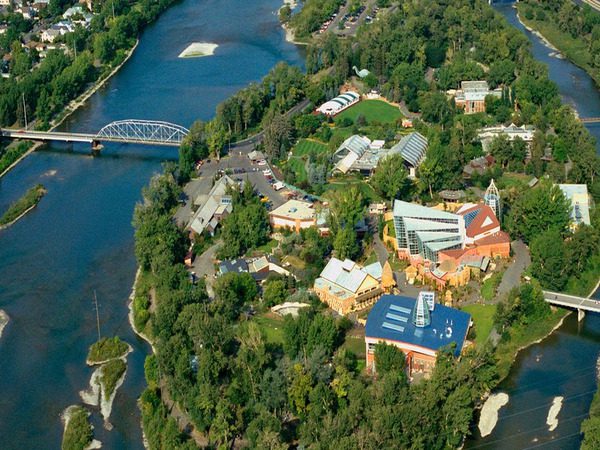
(80, 239)
(564, 364)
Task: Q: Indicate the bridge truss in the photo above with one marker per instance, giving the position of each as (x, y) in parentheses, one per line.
(143, 132)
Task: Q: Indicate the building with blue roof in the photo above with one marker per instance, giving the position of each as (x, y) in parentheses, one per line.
(419, 327)
(412, 148)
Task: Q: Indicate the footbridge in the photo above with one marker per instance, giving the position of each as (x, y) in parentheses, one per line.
(590, 120)
(581, 304)
(129, 131)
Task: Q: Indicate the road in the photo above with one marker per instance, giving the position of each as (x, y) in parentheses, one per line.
(512, 276)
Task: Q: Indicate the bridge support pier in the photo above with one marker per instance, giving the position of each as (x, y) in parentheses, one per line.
(96, 147)
(580, 315)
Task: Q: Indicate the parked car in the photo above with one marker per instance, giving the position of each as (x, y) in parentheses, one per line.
(262, 162)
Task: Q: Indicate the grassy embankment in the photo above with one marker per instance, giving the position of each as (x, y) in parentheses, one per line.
(483, 318)
(576, 50)
(11, 153)
(78, 432)
(106, 349)
(28, 201)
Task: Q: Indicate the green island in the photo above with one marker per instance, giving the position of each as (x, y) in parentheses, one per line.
(28, 201)
(106, 349)
(227, 370)
(78, 434)
(110, 374)
(573, 29)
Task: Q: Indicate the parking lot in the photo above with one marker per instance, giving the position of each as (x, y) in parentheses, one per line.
(239, 168)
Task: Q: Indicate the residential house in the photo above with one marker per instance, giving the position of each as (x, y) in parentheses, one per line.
(471, 96)
(478, 166)
(233, 266)
(419, 327)
(213, 207)
(578, 195)
(261, 268)
(346, 286)
(50, 35)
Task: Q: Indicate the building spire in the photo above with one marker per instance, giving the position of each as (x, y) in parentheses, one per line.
(421, 316)
(492, 199)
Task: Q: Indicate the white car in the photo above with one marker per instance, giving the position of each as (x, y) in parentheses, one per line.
(267, 172)
(262, 162)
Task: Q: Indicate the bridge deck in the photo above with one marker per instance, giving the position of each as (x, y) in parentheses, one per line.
(572, 301)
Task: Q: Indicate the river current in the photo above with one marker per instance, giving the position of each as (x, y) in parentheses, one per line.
(80, 239)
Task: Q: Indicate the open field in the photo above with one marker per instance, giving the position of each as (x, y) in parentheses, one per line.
(373, 111)
(297, 165)
(307, 146)
(483, 316)
(272, 326)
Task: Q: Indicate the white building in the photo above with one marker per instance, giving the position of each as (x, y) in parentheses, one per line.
(339, 103)
(487, 135)
(580, 203)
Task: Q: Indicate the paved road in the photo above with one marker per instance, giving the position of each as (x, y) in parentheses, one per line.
(512, 276)
(204, 267)
(378, 246)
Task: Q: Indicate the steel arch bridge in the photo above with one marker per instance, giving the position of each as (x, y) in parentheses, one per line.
(143, 132)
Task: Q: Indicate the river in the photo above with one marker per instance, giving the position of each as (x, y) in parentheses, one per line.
(563, 364)
(80, 240)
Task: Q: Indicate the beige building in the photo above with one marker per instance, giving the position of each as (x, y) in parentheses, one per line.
(346, 286)
(293, 214)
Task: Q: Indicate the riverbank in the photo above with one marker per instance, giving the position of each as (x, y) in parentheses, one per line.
(574, 49)
(80, 101)
(77, 431)
(21, 155)
(22, 206)
(290, 35)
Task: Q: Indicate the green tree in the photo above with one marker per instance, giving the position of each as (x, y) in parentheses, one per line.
(549, 260)
(389, 358)
(390, 179)
(538, 210)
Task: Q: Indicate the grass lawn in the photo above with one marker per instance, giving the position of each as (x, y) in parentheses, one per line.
(371, 259)
(511, 179)
(488, 288)
(343, 132)
(268, 247)
(272, 326)
(297, 166)
(294, 261)
(373, 111)
(483, 316)
(364, 188)
(356, 344)
(307, 146)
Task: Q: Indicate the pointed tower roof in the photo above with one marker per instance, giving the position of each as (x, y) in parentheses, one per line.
(420, 315)
(387, 277)
(492, 198)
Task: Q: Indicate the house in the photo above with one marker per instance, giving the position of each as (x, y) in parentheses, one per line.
(512, 132)
(419, 327)
(471, 96)
(50, 35)
(213, 207)
(233, 265)
(294, 214)
(478, 166)
(339, 103)
(376, 209)
(578, 195)
(261, 268)
(413, 148)
(346, 286)
(5, 3)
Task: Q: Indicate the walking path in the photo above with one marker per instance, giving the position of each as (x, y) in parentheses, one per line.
(512, 275)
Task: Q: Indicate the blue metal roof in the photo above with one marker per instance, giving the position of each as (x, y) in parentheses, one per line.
(390, 318)
(412, 147)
